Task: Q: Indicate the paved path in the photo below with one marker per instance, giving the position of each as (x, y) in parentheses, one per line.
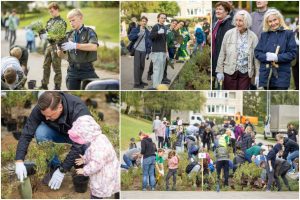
(35, 62)
(207, 195)
(127, 73)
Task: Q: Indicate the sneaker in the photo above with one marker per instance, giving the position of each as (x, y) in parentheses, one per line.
(144, 189)
(57, 87)
(153, 189)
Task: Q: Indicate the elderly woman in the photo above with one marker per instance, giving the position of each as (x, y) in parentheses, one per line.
(221, 26)
(275, 51)
(236, 63)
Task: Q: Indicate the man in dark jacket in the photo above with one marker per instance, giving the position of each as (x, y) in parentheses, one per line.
(291, 151)
(292, 132)
(281, 168)
(271, 158)
(142, 46)
(159, 54)
(50, 120)
(148, 152)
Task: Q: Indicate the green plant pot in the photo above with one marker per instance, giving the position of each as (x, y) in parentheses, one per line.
(25, 189)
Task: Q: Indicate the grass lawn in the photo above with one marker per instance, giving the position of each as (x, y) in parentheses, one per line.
(130, 127)
(106, 21)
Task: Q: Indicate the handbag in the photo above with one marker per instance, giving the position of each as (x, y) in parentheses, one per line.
(131, 48)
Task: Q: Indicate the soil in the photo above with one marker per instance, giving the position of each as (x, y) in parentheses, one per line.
(111, 118)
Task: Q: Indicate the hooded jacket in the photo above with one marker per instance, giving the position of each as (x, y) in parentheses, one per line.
(73, 108)
(100, 160)
(289, 147)
(272, 154)
(246, 141)
(147, 146)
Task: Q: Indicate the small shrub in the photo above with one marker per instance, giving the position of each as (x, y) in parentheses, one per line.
(108, 58)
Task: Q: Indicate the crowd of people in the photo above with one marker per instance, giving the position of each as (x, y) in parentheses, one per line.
(175, 139)
(253, 51)
(164, 45)
(79, 48)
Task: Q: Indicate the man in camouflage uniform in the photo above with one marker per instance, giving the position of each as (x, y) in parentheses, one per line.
(81, 49)
(51, 51)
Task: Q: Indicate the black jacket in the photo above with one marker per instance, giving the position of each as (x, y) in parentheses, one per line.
(289, 147)
(159, 41)
(223, 28)
(73, 108)
(272, 154)
(148, 148)
(292, 134)
(208, 137)
(281, 167)
(246, 141)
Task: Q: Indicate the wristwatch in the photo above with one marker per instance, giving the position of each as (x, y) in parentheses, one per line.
(61, 169)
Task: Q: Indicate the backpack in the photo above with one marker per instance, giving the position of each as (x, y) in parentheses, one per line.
(190, 166)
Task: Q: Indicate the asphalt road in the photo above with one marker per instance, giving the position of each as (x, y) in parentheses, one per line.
(35, 63)
(207, 195)
(127, 73)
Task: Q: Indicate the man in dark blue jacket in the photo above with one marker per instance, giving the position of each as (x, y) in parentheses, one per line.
(142, 46)
(50, 120)
(271, 158)
(291, 151)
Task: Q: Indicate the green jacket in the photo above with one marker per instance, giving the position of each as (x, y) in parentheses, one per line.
(171, 38)
(253, 151)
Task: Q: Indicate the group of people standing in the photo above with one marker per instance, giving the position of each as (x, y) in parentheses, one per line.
(163, 45)
(252, 51)
(79, 48)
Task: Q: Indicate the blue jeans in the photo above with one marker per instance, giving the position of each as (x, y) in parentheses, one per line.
(128, 162)
(45, 133)
(291, 157)
(148, 172)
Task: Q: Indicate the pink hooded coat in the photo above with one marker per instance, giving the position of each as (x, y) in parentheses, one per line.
(100, 159)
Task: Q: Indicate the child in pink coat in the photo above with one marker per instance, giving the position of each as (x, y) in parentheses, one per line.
(173, 162)
(100, 159)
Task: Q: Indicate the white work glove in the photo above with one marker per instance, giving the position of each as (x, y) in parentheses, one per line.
(177, 45)
(161, 172)
(161, 31)
(220, 77)
(167, 56)
(43, 36)
(271, 169)
(271, 57)
(256, 81)
(21, 171)
(56, 180)
(68, 46)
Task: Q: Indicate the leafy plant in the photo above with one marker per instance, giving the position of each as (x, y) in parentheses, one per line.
(57, 31)
(247, 173)
(37, 26)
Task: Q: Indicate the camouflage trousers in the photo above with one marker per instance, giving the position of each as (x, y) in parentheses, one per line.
(51, 57)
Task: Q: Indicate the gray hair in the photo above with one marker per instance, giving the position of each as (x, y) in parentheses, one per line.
(246, 18)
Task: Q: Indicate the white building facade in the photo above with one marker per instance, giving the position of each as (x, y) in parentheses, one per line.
(223, 103)
(192, 8)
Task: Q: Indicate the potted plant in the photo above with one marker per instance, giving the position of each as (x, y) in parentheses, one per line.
(57, 33)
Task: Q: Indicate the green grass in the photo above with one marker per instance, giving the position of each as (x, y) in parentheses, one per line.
(130, 127)
(106, 21)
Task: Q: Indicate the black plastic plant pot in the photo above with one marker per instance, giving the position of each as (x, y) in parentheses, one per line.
(30, 167)
(80, 183)
(31, 84)
(60, 42)
(17, 134)
(11, 125)
(3, 121)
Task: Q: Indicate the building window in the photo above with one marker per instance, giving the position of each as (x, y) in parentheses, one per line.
(231, 110)
(217, 109)
(232, 95)
(192, 12)
(195, 11)
(188, 11)
(213, 108)
(226, 95)
(208, 108)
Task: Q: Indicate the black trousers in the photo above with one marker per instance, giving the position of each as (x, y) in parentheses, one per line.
(223, 164)
(139, 66)
(171, 172)
(160, 142)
